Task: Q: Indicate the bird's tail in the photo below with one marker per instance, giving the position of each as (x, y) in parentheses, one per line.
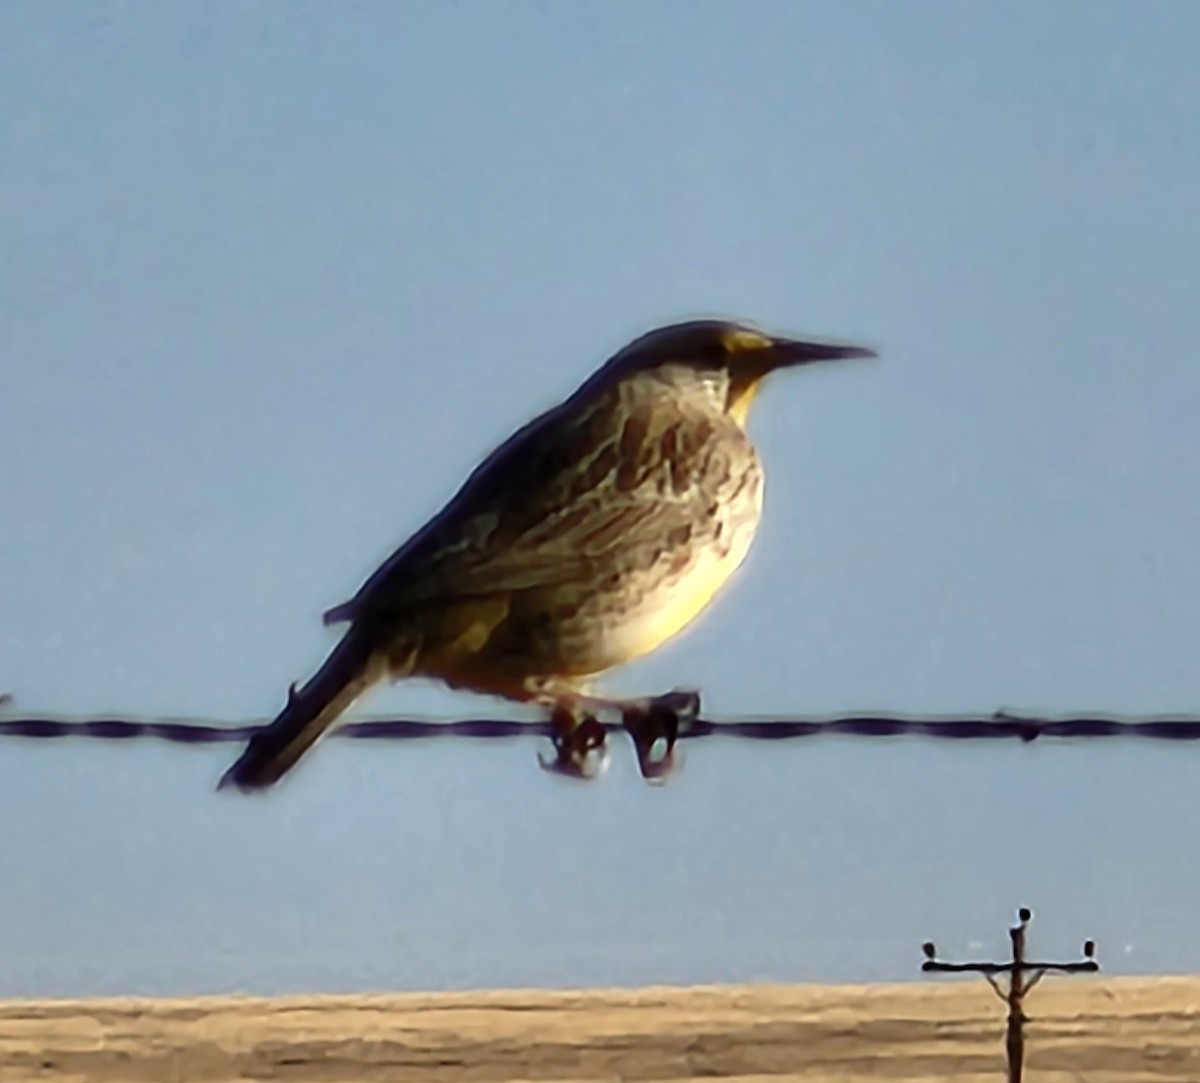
(347, 673)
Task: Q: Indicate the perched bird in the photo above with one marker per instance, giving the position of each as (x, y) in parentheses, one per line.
(589, 538)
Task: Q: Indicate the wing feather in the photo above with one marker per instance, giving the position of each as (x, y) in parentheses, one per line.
(550, 505)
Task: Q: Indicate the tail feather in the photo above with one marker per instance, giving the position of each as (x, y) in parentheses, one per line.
(347, 673)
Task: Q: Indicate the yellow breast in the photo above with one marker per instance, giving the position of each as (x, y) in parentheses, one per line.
(679, 605)
(671, 605)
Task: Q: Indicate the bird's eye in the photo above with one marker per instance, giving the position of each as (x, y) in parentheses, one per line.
(714, 353)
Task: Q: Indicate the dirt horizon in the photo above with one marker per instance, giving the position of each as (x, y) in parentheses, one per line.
(1128, 1029)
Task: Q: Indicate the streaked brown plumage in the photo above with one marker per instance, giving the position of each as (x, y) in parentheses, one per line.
(590, 537)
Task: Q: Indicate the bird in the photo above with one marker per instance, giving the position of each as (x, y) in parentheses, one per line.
(593, 535)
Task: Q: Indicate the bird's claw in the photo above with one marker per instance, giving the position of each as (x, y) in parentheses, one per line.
(580, 750)
(655, 725)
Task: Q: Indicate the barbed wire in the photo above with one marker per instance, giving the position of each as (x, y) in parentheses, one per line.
(998, 726)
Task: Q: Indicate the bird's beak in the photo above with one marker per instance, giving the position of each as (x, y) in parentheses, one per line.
(785, 352)
(753, 356)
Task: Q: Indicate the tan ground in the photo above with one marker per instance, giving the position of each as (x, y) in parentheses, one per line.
(1100, 1031)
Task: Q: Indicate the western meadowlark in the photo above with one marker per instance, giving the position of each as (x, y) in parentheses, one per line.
(589, 538)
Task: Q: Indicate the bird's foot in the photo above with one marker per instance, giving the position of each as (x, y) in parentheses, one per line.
(655, 724)
(580, 745)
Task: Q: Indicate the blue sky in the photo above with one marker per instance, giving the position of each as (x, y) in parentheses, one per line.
(274, 277)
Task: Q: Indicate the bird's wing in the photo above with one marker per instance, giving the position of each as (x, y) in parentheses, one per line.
(551, 505)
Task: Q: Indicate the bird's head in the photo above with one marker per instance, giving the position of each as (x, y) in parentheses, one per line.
(724, 360)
